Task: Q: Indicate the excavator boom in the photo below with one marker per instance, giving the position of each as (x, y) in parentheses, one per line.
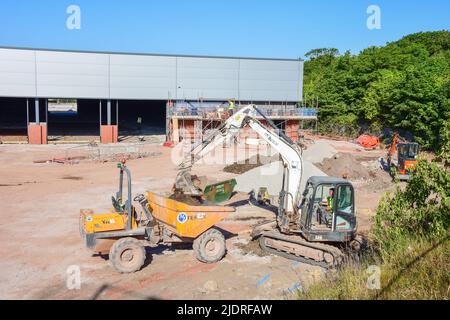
(290, 235)
(290, 152)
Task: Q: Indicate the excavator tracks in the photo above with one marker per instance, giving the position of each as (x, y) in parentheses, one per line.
(296, 248)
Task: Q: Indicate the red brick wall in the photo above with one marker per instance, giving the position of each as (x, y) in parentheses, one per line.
(292, 127)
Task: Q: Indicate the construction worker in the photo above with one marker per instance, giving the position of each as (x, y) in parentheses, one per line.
(326, 213)
(328, 202)
(330, 199)
(139, 125)
(230, 107)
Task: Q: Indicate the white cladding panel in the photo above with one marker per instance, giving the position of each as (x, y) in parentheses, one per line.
(72, 74)
(207, 78)
(142, 77)
(262, 80)
(59, 74)
(17, 73)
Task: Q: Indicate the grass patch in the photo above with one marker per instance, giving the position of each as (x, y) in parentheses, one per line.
(419, 270)
(411, 245)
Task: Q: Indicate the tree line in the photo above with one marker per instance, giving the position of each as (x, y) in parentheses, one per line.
(403, 86)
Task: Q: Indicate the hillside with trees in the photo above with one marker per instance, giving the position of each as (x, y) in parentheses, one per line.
(403, 86)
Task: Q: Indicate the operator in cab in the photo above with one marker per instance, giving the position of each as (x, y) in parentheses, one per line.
(327, 205)
(328, 202)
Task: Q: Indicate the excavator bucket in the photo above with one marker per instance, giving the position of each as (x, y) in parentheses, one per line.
(219, 192)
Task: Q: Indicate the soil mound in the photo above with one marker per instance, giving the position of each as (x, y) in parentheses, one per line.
(249, 164)
(345, 165)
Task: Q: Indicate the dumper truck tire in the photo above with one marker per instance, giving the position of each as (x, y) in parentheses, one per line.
(127, 255)
(210, 246)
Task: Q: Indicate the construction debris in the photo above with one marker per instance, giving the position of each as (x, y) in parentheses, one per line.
(100, 158)
(69, 160)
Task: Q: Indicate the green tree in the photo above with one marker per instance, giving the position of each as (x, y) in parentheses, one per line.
(404, 85)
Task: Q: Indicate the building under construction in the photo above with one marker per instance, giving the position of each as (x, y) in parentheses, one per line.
(51, 96)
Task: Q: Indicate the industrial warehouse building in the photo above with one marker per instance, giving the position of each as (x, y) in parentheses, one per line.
(47, 95)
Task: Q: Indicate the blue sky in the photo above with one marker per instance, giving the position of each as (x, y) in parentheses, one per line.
(252, 28)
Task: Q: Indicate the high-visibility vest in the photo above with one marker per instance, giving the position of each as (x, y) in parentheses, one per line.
(330, 201)
(231, 105)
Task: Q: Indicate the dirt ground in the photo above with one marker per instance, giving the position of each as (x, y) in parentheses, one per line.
(40, 239)
(249, 164)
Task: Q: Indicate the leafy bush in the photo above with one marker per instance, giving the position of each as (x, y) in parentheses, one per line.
(411, 243)
(421, 209)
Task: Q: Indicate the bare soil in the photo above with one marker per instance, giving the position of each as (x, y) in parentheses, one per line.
(347, 166)
(249, 164)
(40, 237)
(253, 247)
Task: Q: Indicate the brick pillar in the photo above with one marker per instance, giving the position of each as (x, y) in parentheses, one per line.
(292, 128)
(109, 133)
(188, 128)
(175, 131)
(37, 133)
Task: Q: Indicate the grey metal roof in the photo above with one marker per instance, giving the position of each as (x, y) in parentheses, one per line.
(151, 54)
(26, 72)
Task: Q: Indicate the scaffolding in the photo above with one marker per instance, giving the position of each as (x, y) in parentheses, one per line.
(195, 119)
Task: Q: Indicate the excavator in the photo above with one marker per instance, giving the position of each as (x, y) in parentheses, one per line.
(314, 226)
(402, 157)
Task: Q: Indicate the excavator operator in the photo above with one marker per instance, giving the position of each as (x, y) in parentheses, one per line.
(328, 202)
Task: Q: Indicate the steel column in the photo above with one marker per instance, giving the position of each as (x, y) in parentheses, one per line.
(117, 112)
(28, 113)
(108, 110)
(36, 110)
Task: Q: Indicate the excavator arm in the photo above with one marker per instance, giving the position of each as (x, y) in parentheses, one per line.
(290, 152)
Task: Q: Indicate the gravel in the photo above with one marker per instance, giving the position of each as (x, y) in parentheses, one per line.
(271, 175)
(319, 151)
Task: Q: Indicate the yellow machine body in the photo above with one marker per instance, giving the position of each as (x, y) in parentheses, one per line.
(185, 220)
(92, 222)
(124, 233)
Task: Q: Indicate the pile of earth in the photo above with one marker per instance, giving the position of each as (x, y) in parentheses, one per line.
(249, 164)
(252, 247)
(347, 166)
(189, 200)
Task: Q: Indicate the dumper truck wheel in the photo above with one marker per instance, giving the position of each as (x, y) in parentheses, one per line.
(127, 255)
(210, 246)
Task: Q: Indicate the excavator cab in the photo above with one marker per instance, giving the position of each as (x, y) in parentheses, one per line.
(402, 157)
(407, 158)
(327, 223)
(328, 210)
